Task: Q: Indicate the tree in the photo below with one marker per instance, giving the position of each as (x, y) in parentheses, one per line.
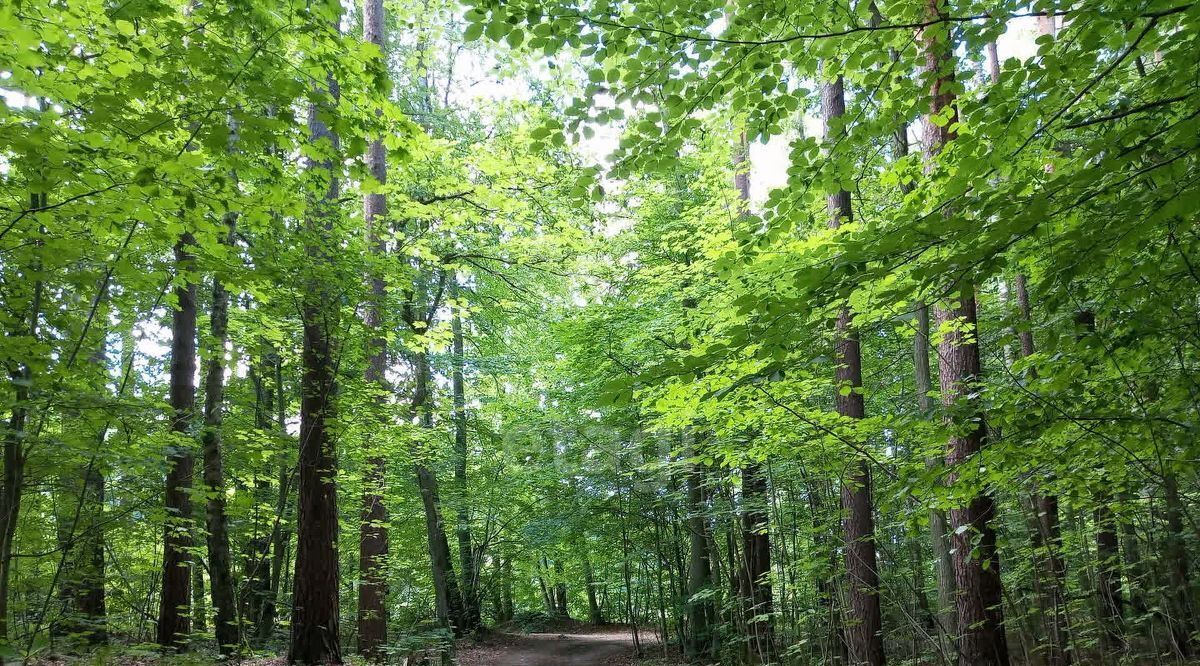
(865, 624)
(373, 538)
(174, 619)
(976, 560)
(315, 636)
(224, 598)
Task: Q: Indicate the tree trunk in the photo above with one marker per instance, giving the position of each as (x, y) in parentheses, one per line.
(864, 624)
(756, 583)
(506, 596)
(595, 613)
(15, 446)
(1180, 611)
(449, 603)
(976, 560)
(373, 535)
(466, 549)
(315, 637)
(701, 612)
(224, 599)
(83, 558)
(174, 621)
(280, 538)
(1108, 575)
(560, 590)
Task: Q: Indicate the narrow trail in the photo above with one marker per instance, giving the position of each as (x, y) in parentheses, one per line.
(600, 648)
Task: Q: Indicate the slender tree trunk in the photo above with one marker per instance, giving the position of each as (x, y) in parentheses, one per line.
(1108, 575)
(83, 559)
(938, 534)
(373, 535)
(1179, 600)
(864, 624)
(449, 603)
(466, 549)
(220, 570)
(280, 537)
(756, 583)
(315, 636)
(506, 595)
(199, 603)
(560, 589)
(595, 613)
(701, 612)
(976, 560)
(174, 621)
(14, 442)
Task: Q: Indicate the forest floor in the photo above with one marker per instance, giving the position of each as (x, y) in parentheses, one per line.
(581, 646)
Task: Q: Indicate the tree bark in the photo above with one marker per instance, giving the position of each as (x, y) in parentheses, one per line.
(220, 571)
(701, 612)
(373, 535)
(14, 453)
(449, 603)
(1182, 618)
(315, 637)
(756, 582)
(174, 621)
(864, 623)
(466, 548)
(976, 560)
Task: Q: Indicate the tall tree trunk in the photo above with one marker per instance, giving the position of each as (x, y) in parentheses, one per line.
(756, 583)
(220, 571)
(315, 637)
(257, 568)
(449, 603)
(373, 535)
(864, 624)
(83, 558)
(976, 560)
(938, 534)
(280, 537)
(701, 606)
(1108, 575)
(174, 618)
(1179, 600)
(466, 549)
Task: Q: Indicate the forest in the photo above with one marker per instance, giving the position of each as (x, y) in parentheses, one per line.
(582, 332)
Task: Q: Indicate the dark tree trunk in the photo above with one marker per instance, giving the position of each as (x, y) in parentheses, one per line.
(756, 583)
(595, 612)
(373, 535)
(976, 560)
(560, 590)
(449, 603)
(1182, 618)
(280, 538)
(702, 612)
(466, 549)
(864, 621)
(257, 567)
(506, 596)
(315, 637)
(174, 618)
(1108, 575)
(220, 571)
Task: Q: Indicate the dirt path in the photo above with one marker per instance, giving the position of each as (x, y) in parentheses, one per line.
(574, 649)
